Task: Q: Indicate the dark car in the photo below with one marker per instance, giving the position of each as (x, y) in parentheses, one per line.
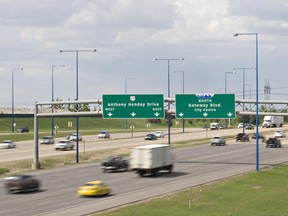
(273, 142)
(249, 127)
(21, 183)
(242, 137)
(150, 137)
(23, 130)
(260, 136)
(115, 164)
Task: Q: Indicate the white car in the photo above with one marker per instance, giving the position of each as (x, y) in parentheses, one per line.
(159, 134)
(240, 125)
(73, 137)
(104, 134)
(218, 140)
(64, 145)
(47, 140)
(6, 144)
(279, 134)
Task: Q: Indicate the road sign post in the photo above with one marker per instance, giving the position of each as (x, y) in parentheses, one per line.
(133, 106)
(205, 106)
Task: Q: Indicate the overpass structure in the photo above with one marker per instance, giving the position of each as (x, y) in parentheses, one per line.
(44, 109)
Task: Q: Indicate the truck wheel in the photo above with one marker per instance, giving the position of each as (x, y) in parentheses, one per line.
(170, 169)
(155, 172)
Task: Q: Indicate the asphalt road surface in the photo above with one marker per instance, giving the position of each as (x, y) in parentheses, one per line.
(193, 166)
(25, 149)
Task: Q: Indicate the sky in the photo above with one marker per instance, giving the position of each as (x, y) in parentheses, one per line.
(128, 35)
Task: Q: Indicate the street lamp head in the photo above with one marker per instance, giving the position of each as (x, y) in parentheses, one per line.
(155, 59)
(94, 50)
(230, 72)
(181, 59)
(236, 35)
(60, 51)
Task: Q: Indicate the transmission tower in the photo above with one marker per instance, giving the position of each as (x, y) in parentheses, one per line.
(267, 90)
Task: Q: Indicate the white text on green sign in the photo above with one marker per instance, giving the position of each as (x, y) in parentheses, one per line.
(133, 106)
(205, 106)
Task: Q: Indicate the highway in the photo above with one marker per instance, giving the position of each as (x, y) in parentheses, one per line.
(193, 166)
(25, 149)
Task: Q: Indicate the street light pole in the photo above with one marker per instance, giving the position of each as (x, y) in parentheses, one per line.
(52, 123)
(183, 88)
(77, 117)
(257, 96)
(169, 116)
(13, 123)
(226, 73)
(126, 81)
(243, 86)
(250, 99)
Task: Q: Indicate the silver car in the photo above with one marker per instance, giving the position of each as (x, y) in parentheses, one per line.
(47, 140)
(6, 144)
(64, 145)
(218, 140)
(104, 134)
(159, 134)
(279, 134)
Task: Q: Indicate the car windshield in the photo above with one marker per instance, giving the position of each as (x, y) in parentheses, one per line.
(91, 185)
(103, 132)
(7, 141)
(63, 141)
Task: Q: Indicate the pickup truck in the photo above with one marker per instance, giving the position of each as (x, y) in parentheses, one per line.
(21, 183)
(115, 164)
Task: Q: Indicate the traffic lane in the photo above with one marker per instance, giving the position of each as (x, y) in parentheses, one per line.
(60, 186)
(25, 149)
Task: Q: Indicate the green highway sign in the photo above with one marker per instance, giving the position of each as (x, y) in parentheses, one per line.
(205, 106)
(133, 106)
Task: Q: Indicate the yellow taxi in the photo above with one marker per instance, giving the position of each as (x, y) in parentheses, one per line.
(94, 188)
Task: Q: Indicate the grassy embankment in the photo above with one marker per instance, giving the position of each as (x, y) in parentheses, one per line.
(259, 194)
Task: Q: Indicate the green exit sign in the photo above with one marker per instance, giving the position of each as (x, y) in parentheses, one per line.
(133, 106)
(205, 106)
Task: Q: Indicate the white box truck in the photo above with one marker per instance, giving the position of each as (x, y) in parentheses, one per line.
(273, 121)
(150, 159)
